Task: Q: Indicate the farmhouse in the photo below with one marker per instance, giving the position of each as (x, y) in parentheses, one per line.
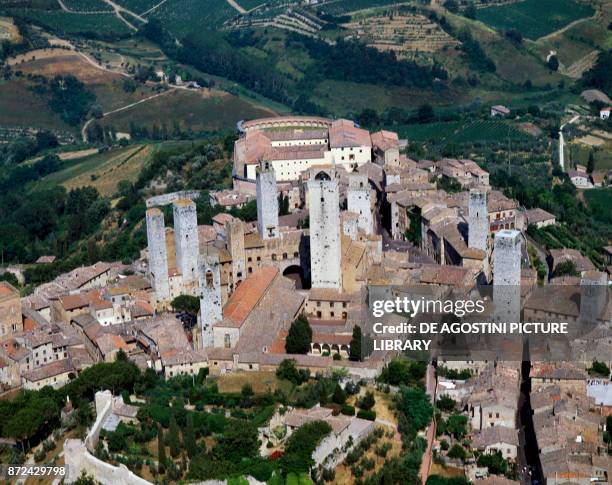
(604, 113)
(499, 110)
(540, 218)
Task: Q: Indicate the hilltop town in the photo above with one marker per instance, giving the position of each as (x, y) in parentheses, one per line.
(306, 242)
(341, 214)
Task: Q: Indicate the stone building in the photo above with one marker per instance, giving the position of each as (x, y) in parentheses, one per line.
(158, 257)
(267, 202)
(325, 243)
(359, 201)
(211, 310)
(186, 239)
(10, 311)
(478, 225)
(507, 275)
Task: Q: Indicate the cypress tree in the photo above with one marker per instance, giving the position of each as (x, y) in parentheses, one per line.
(161, 450)
(173, 438)
(189, 439)
(299, 337)
(356, 342)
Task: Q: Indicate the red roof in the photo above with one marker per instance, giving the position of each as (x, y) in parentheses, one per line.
(248, 294)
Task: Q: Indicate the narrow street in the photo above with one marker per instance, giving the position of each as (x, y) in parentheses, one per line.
(530, 470)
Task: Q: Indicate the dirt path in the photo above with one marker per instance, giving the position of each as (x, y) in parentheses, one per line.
(154, 7)
(123, 108)
(93, 12)
(568, 26)
(236, 6)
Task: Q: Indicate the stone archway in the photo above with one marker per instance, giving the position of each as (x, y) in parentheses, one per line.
(296, 273)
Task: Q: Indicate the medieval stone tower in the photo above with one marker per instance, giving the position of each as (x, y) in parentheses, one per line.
(158, 256)
(267, 202)
(210, 297)
(507, 275)
(186, 238)
(325, 251)
(235, 245)
(478, 220)
(593, 296)
(359, 201)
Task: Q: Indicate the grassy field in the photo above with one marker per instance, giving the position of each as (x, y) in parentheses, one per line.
(534, 18)
(197, 110)
(103, 171)
(19, 107)
(260, 381)
(602, 155)
(600, 201)
(8, 30)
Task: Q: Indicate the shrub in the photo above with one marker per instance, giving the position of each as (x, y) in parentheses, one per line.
(457, 451)
(366, 414)
(348, 410)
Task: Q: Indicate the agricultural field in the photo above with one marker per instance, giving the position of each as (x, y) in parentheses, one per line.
(463, 132)
(261, 382)
(534, 18)
(66, 23)
(195, 110)
(102, 171)
(8, 30)
(182, 17)
(405, 34)
(138, 6)
(20, 108)
(107, 86)
(579, 153)
(341, 7)
(342, 97)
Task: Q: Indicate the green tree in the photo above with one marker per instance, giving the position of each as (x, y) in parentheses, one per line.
(457, 452)
(186, 303)
(415, 405)
(189, 438)
(339, 396)
(367, 402)
(356, 350)
(299, 337)
(456, 425)
(85, 479)
(553, 63)
(288, 370)
(599, 369)
(237, 442)
(565, 268)
(446, 403)
(591, 162)
(161, 449)
(173, 438)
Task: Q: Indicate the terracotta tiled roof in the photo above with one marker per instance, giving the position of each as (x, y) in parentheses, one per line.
(246, 296)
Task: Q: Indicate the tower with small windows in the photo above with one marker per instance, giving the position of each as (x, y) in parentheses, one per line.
(211, 310)
(186, 239)
(158, 256)
(325, 250)
(359, 201)
(267, 202)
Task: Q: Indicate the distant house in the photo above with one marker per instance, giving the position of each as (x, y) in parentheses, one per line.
(499, 110)
(604, 113)
(580, 179)
(539, 217)
(599, 178)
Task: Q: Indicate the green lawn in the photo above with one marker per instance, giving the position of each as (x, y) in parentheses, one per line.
(534, 18)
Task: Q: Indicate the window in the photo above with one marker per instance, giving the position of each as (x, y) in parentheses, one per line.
(209, 279)
(318, 314)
